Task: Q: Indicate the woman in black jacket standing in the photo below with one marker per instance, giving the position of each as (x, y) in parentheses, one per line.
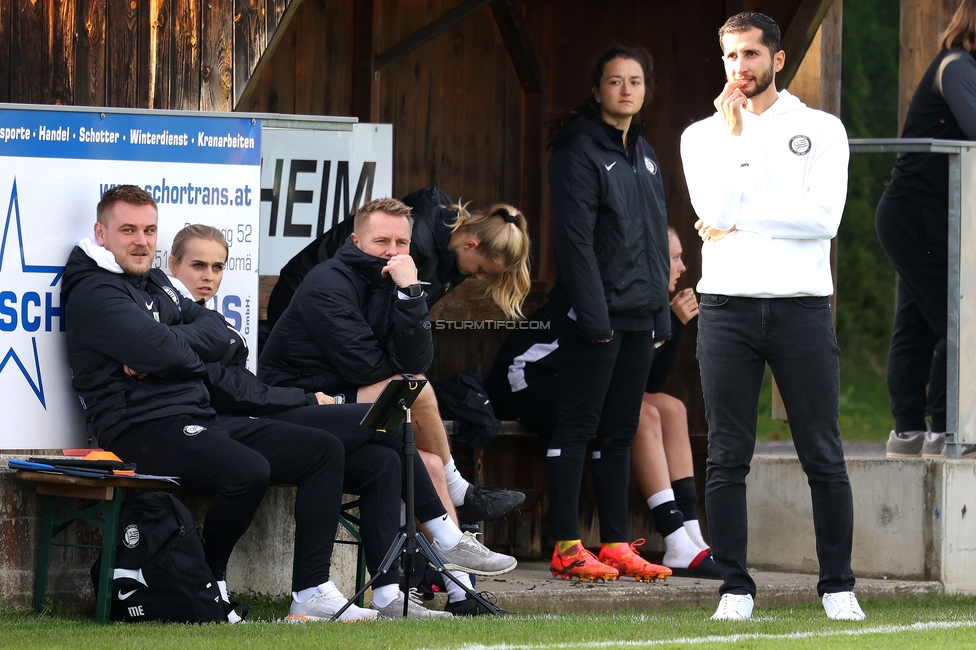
(913, 227)
(611, 248)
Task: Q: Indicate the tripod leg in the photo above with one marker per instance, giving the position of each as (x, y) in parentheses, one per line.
(392, 554)
(426, 550)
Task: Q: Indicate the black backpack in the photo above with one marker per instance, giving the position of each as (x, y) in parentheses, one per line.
(160, 570)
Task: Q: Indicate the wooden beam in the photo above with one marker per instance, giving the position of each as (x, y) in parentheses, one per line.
(797, 39)
(427, 33)
(279, 32)
(921, 24)
(518, 43)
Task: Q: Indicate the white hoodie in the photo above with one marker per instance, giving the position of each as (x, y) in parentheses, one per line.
(782, 183)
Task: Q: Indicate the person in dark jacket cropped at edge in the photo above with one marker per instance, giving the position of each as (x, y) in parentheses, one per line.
(360, 319)
(373, 465)
(913, 226)
(523, 386)
(610, 239)
(138, 352)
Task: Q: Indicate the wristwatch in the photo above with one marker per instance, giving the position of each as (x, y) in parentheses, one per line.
(414, 290)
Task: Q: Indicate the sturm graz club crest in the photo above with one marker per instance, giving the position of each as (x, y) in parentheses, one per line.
(131, 536)
(193, 429)
(800, 145)
(651, 167)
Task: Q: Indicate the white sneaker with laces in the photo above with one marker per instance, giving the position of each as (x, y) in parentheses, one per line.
(842, 606)
(323, 606)
(734, 607)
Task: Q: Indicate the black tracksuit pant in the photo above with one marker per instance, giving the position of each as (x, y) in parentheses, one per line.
(234, 460)
(374, 472)
(600, 391)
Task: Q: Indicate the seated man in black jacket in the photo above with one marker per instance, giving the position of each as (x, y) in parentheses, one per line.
(138, 353)
(360, 318)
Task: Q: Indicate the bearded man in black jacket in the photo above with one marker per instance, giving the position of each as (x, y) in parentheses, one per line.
(138, 353)
(361, 318)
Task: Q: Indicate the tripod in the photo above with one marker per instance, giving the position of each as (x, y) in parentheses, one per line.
(408, 544)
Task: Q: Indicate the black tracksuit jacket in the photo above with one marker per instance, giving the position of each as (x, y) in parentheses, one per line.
(610, 230)
(115, 320)
(347, 327)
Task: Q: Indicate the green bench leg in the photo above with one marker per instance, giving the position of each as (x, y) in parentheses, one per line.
(44, 555)
(110, 533)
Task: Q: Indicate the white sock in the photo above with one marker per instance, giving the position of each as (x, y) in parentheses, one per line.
(457, 487)
(383, 596)
(303, 595)
(932, 436)
(660, 498)
(694, 532)
(681, 551)
(454, 592)
(444, 531)
(232, 617)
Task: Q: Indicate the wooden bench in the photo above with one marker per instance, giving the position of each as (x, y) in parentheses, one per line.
(107, 493)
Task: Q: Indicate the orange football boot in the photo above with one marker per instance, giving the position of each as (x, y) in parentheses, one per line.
(577, 562)
(624, 558)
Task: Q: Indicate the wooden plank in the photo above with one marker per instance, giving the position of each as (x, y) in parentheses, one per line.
(217, 55)
(798, 36)
(921, 24)
(62, 39)
(123, 48)
(6, 34)
(100, 493)
(263, 91)
(161, 42)
(90, 53)
(30, 56)
(187, 34)
(275, 10)
(362, 59)
(40, 478)
(250, 41)
(518, 42)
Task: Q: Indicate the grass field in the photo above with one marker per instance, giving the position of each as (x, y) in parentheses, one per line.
(936, 622)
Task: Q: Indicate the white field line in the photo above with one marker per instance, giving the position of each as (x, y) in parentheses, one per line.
(732, 638)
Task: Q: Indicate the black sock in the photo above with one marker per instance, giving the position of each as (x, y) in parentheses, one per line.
(686, 497)
(667, 518)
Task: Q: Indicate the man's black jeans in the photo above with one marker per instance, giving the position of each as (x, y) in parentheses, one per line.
(736, 338)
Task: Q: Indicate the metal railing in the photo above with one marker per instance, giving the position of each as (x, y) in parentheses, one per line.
(961, 348)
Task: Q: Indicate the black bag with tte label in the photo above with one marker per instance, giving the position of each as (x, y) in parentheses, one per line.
(160, 570)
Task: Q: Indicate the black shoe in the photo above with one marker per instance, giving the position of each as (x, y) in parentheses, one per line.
(471, 607)
(705, 569)
(487, 503)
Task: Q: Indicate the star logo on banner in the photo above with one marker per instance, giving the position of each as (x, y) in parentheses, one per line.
(12, 275)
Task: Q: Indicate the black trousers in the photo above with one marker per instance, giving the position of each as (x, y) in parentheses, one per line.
(600, 391)
(374, 472)
(916, 240)
(234, 460)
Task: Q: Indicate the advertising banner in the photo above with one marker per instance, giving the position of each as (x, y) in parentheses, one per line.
(54, 167)
(311, 180)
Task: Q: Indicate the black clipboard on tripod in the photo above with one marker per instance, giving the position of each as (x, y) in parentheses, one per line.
(390, 409)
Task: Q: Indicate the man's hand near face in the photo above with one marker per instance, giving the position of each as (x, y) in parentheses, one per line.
(402, 269)
(729, 105)
(685, 305)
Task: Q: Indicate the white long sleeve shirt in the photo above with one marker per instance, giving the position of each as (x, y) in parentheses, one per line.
(782, 183)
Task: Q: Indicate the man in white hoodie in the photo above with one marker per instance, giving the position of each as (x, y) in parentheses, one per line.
(767, 177)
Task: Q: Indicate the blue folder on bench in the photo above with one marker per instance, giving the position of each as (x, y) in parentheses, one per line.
(54, 468)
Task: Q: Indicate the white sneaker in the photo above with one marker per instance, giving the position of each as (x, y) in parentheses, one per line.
(415, 608)
(471, 556)
(733, 607)
(323, 606)
(842, 606)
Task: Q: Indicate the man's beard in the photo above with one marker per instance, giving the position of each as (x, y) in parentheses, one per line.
(762, 83)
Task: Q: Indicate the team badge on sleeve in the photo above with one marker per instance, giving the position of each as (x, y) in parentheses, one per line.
(651, 167)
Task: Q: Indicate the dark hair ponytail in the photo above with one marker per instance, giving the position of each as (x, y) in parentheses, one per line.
(589, 108)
